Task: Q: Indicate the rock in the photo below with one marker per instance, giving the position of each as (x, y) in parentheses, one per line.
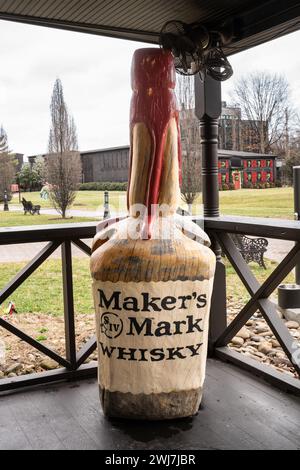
(265, 347)
(11, 375)
(13, 368)
(29, 369)
(292, 324)
(281, 361)
(259, 354)
(257, 338)
(262, 329)
(243, 333)
(249, 348)
(275, 343)
(1, 374)
(253, 343)
(292, 314)
(249, 323)
(266, 334)
(48, 364)
(237, 341)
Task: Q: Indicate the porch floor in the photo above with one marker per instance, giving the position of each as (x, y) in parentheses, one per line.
(238, 412)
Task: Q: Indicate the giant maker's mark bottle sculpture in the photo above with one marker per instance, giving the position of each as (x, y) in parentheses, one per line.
(152, 278)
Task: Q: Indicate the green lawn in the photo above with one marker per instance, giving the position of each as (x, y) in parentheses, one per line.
(85, 200)
(15, 219)
(273, 202)
(234, 286)
(42, 292)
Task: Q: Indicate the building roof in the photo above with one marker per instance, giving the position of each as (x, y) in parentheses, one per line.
(236, 153)
(253, 21)
(221, 153)
(109, 149)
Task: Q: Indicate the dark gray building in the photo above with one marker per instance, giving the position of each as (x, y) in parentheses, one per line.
(111, 164)
(19, 158)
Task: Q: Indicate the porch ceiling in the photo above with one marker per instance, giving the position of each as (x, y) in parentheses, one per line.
(255, 21)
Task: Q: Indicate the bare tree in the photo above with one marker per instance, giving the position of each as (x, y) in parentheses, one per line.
(264, 98)
(63, 162)
(7, 165)
(190, 140)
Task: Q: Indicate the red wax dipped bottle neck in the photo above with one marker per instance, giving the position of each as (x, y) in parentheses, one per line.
(152, 68)
(155, 156)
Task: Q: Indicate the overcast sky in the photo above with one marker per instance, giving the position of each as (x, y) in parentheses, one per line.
(95, 73)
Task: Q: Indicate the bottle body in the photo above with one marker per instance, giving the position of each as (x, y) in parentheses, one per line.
(152, 300)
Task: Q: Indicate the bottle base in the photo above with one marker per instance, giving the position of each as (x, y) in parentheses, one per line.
(151, 407)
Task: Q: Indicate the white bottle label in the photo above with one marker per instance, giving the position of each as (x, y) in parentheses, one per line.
(152, 336)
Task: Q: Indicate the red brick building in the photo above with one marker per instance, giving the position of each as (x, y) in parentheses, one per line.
(241, 168)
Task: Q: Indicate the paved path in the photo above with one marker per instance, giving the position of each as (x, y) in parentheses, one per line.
(72, 212)
(277, 249)
(27, 251)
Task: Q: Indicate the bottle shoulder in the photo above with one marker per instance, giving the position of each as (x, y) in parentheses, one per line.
(159, 259)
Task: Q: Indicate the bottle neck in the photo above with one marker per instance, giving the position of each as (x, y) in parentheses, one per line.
(155, 157)
(150, 186)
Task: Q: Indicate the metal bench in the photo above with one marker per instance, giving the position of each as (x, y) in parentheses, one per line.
(30, 208)
(251, 249)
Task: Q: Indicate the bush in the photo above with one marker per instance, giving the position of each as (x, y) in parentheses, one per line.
(278, 184)
(225, 187)
(231, 186)
(248, 185)
(260, 185)
(103, 186)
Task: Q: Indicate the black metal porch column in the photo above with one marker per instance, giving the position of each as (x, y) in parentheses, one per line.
(208, 108)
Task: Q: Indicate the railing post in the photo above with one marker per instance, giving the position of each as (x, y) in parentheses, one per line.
(66, 253)
(208, 109)
(296, 185)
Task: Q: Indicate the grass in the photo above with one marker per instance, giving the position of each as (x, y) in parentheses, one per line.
(85, 200)
(273, 202)
(42, 292)
(14, 219)
(235, 289)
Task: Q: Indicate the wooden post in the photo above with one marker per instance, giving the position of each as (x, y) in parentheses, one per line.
(208, 107)
(68, 303)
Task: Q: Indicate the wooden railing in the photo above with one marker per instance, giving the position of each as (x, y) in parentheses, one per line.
(57, 236)
(219, 229)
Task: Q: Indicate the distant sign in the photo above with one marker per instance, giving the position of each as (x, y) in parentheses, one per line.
(14, 188)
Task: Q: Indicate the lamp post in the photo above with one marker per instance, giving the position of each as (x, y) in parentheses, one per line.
(106, 214)
(6, 208)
